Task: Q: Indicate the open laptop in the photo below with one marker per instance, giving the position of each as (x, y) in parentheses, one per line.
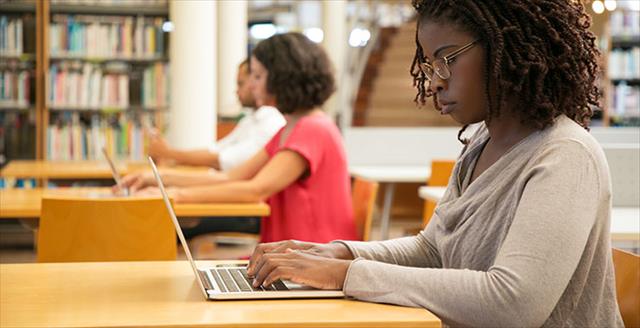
(114, 173)
(230, 282)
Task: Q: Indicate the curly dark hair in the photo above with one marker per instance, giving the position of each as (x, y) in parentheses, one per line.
(300, 72)
(540, 50)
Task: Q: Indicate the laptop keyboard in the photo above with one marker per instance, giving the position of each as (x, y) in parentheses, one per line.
(236, 280)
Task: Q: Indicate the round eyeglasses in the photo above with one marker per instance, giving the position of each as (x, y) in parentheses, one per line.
(440, 66)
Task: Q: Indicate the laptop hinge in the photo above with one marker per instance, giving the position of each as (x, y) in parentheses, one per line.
(205, 280)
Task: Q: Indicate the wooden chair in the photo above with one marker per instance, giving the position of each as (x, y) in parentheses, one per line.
(105, 229)
(627, 268)
(363, 198)
(440, 173)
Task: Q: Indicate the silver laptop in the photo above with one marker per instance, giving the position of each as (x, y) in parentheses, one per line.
(230, 282)
(114, 173)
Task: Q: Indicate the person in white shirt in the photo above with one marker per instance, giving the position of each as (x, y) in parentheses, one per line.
(251, 133)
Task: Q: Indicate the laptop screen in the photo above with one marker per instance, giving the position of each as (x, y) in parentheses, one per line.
(114, 172)
(172, 214)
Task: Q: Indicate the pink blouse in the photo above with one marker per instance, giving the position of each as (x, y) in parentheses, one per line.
(316, 207)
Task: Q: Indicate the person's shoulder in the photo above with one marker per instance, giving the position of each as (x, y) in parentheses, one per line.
(567, 131)
(268, 113)
(317, 127)
(320, 121)
(568, 139)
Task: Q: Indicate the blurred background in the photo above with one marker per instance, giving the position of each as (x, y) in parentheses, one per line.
(80, 66)
(75, 74)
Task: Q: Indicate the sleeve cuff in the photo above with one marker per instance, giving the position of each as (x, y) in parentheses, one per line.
(350, 274)
(347, 244)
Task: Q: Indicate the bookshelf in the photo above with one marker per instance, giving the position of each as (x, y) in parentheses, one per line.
(106, 77)
(623, 69)
(78, 74)
(18, 115)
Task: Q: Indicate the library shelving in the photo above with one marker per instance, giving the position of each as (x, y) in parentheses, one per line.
(623, 69)
(106, 77)
(18, 115)
(76, 75)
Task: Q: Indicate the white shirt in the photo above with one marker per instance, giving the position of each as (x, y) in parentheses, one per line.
(251, 133)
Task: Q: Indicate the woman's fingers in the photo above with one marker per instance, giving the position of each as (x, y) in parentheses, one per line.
(267, 263)
(276, 247)
(129, 179)
(148, 191)
(137, 184)
(258, 252)
(280, 272)
(303, 267)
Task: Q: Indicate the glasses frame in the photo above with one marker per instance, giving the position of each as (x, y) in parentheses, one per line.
(425, 67)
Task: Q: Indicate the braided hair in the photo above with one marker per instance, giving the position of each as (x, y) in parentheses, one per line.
(540, 50)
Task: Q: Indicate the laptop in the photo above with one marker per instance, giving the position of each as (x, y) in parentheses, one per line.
(114, 173)
(231, 282)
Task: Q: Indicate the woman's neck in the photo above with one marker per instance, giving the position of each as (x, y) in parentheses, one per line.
(296, 115)
(507, 130)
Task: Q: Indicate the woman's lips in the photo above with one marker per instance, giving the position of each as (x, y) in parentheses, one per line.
(447, 108)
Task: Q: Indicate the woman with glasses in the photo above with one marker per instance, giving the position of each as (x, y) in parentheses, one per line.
(521, 236)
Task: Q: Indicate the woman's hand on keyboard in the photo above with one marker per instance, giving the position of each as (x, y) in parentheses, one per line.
(301, 267)
(332, 250)
(138, 181)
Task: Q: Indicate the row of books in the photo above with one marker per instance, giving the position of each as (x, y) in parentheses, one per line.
(624, 64)
(87, 86)
(81, 85)
(155, 86)
(625, 23)
(122, 37)
(15, 88)
(11, 35)
(17, 136)
(74, 137)
(626, 100)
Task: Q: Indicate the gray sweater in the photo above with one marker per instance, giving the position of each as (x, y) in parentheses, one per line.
(526, 244)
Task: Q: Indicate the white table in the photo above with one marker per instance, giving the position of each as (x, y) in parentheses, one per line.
(433, 194)
(625, 221)
(390, 175)
(625, 224)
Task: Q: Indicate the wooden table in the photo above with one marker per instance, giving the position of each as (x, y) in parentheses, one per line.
(625, 221)
(25, 204)
(75, 170)
(390, 175)
(165, 294)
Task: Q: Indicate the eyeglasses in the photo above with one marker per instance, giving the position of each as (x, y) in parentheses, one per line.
(440, 66)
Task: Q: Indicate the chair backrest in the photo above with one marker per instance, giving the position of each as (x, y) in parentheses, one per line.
(627, 268)
(105, 229)
(364, 193)
(440, 172)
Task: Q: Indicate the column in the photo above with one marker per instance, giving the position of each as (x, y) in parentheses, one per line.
(334, 21)
(192, 117)
(232, 41)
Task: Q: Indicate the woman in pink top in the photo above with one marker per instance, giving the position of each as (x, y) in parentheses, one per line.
(316, 206)
(302, 172)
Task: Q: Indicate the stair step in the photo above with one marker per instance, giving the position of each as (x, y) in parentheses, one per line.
(392, 92)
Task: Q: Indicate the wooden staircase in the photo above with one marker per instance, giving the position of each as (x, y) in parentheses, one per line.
(388, 86)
